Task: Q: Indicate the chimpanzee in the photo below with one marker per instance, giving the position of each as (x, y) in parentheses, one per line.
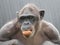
(29, 28)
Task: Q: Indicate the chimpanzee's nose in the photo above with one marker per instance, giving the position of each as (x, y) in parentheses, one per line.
(26, 23)
(25, 27)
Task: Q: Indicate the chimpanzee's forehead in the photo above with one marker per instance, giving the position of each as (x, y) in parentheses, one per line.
(27, 15)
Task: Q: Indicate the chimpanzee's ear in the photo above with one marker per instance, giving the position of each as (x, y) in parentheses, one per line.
(17, 13)
(42, 12)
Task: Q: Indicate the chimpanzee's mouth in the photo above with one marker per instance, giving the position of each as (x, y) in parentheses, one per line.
(27, 33)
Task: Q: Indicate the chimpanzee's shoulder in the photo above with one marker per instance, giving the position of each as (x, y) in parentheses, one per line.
(46, 23)
(8, 25)
(49, 27)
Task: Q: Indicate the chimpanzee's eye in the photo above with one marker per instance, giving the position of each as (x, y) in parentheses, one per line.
(31, 19)
(21, 19)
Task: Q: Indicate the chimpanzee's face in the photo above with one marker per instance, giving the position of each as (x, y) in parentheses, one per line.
(28, 22)
(29, 18)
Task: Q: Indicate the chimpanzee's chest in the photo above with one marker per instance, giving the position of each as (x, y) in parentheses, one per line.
(34, 41)
(38, 39)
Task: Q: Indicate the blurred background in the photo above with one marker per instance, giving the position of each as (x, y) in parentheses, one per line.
(8, 10)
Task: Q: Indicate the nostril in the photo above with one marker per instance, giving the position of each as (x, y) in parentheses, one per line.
(26, 23)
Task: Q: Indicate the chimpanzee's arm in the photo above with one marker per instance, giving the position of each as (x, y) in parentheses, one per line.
(52, 33)
(7, 31)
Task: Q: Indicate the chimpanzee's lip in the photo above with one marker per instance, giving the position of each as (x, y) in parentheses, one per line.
(27, 33)
(28, 30)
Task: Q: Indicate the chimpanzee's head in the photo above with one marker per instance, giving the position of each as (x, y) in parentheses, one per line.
(29, 18)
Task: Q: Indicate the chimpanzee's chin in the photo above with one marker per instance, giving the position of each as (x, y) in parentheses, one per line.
(27, 33)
